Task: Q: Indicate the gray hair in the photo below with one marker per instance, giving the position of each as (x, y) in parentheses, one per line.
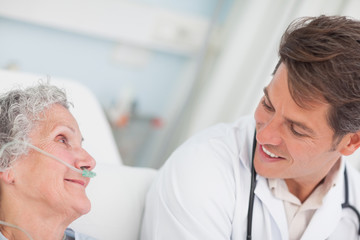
(20, 110)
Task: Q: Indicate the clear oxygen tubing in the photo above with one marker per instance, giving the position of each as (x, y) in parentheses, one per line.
(6, 223)
(83, 172)
(16, 227)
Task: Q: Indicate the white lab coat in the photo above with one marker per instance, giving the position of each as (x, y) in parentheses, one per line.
(202, 193)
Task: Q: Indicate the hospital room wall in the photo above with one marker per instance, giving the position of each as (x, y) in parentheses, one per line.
(42, 50)
(91, 59)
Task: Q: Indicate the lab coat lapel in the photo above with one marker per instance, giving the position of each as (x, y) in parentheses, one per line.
(274, 206)
(327, 217)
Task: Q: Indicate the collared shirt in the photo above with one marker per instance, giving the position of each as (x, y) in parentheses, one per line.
(299, 214)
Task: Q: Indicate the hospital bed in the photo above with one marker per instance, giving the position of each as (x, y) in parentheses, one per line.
(118, 192)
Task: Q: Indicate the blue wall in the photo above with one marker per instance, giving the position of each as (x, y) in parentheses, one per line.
(42, 50)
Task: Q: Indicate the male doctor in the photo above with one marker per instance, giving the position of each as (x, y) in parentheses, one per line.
(294, 183)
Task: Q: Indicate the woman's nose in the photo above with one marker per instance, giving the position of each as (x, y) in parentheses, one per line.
(85, 161)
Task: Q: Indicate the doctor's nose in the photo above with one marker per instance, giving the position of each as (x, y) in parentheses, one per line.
(268, 132)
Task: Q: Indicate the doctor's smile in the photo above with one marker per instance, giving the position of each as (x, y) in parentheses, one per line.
(268, 152)
(267, 155)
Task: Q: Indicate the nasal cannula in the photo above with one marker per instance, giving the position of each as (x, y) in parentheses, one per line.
(83, 172)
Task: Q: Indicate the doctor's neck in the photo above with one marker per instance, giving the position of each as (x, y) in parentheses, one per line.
(302, 189)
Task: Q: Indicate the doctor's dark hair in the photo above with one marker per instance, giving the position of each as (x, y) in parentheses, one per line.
(20, 111)
(322, 56)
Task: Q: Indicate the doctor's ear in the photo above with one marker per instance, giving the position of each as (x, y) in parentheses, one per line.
(7, 176)
(352, 142)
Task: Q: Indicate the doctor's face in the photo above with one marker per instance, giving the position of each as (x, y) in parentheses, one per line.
(292, 142)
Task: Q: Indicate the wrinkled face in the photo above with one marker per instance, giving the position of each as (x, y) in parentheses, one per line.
(43, 181)
(292, 142)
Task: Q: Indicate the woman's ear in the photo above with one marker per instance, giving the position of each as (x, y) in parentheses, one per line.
(7, 176)
(352, 143)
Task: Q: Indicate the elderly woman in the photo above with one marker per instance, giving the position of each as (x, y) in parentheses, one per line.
(41, 189)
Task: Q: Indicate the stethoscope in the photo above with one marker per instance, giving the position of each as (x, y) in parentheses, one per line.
(346, 204)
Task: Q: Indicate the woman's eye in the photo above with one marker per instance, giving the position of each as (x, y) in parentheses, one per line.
(62, 139)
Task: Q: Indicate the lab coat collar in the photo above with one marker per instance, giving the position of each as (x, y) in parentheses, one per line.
(246, 156)
(327, 217)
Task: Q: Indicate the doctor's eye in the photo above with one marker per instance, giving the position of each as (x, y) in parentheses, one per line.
(267, 106)
(296, 133)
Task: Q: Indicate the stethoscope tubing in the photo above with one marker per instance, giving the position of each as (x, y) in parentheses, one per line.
(252, 192)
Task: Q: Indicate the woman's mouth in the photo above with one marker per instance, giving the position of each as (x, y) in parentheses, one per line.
(80, 182)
